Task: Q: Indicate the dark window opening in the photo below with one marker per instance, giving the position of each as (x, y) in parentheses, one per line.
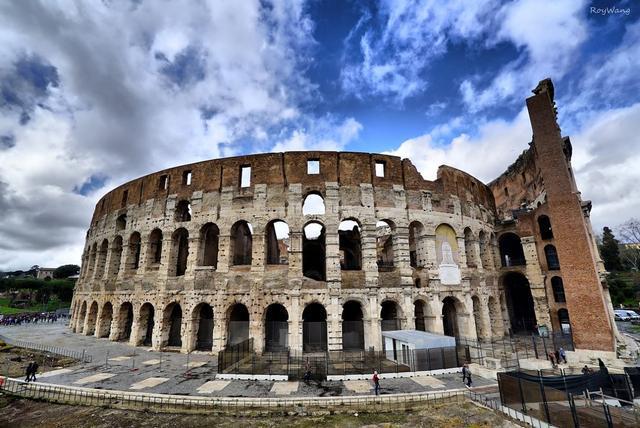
(277, 243)
(186, 178)
(519, 303)
(204, 321)
(209, 239)
(450, 317)
(121, 222)
(276, 328)
(352, 326)
(241, 243)
(416, 250)
(389, 318)
(350, 245)
(181, 250)
(314, 328)
(125, 321)
(155, 246)
(174, 320)
(125, 197)
(134, 251)
(553, 263)
(163, 182)
(384, 246)
(558, 290)
(313, 252)
(511, 252)
(183, 211)
(419, 313)
(544, 224)
(238, 327)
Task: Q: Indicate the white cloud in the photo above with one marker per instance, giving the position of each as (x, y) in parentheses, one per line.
(322, 134)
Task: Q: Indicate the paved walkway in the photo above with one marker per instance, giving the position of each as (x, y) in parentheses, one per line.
(118, 366)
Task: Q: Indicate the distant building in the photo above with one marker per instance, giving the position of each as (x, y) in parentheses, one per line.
(44, 273)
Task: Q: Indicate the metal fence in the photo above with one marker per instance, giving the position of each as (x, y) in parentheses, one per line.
(241, 359)
(562, 407)
(77, 355)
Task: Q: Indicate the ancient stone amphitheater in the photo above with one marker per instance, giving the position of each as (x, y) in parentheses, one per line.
(324, 250)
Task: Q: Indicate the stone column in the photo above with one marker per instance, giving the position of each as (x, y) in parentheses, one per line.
(334, 325)
(219, 327)
(369, 253)
(401, 258)
(434, 320)
(295, 324)
(536, 281)
(374, 336)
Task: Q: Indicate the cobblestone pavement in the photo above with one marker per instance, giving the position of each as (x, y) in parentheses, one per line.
(119, 366)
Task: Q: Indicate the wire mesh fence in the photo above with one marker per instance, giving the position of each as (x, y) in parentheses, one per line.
(82, 356)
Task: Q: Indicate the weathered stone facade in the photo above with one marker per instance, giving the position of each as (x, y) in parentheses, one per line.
(190, 257)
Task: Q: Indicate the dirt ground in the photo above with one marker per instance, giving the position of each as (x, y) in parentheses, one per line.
(14, 360)
(26, 413)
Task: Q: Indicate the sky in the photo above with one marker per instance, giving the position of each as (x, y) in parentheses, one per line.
(93, 94)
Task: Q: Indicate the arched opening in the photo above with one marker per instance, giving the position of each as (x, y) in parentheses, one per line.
(450, 317)
(146, 322)
(551, 255)
(238, 327)
(314, 328)
(477, 316)
(417, 253)
(352, 326)
(313, 251)
(102, 258)
(276, 328)
(389, 316)
(133, 262)
(125, 321)
(277, 243)
(448, 255)
(81, 318)
(209, 239)
(241, 243)
(519, 302)
(92, 260)
(563, 319)
(419, 311)
(180, 241)
(173, 324)
(155, 247)
(116, 257)
(495, 317)
(92, 316)
(203, 320)
(558, 289)
(544, 224)
(313, 205)
(350, 245)
(106, 317)
(384, 245)
(183, 211)
(121, 222)
(511, 253)
(470, 248)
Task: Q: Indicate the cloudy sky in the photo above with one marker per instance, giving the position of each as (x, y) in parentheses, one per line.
(93, 94)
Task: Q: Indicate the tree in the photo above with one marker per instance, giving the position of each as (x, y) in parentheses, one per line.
(65, 271)
(630, 236)
(609, 251)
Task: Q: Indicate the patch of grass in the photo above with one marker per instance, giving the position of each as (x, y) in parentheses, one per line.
(52, 305)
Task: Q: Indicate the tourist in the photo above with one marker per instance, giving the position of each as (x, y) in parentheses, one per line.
(465, 369)
(307, 372)
(376, 382)
(468, 384)
(586, 370)
(563, 355)
(34, 370)
(552, 358)
(28, 372)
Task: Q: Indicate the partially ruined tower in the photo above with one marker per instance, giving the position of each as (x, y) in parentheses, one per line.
(319, 251)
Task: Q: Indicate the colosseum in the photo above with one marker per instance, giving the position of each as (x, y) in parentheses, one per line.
(317, 251)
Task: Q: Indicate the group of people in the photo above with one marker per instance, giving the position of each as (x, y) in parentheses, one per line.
(557, 357)
(31, 371)
(30, 318)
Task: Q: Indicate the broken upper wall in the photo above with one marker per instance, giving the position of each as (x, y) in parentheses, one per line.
(347, 169)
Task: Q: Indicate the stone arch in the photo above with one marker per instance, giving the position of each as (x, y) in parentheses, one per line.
(390, 315)
(511, 252)
(121, 222)
(146, 322)
(116, 257)
(241, 243)
(155, 248)
(172, 325)
(314, 251)
(106, 317)
(81, 317)
(125, 322)
(93, 254)
(202, 326)
(276, 328)
(544, 226)
(277, 242)
(314, 328)
(183, 211)
(92, 316)
(237, 324)
(352, 326)
(452, 309)
(133, 258)
(209, 244)
(420, 314)
(313, 204)
(385, 252)
(417, 249)
(179, 251)
(350, 242)
(519, 302)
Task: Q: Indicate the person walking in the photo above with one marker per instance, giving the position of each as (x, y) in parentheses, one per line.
(468, 384)
(28, 372)
(563, 355)
(376, 382)
(465, 369)
(34, 370)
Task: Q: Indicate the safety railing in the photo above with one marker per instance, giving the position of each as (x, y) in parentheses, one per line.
(82, 356)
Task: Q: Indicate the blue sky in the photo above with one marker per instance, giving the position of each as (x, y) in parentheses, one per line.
(93, 94)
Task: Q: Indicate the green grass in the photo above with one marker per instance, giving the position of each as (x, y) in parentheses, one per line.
(53, 304)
